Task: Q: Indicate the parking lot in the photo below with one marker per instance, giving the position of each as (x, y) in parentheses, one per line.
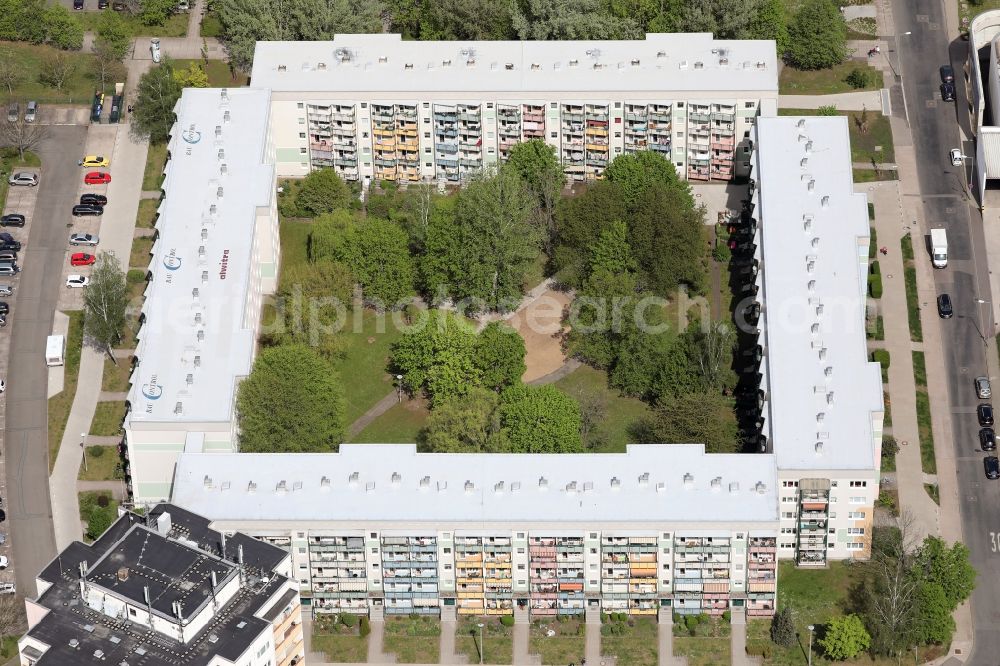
(24, 482)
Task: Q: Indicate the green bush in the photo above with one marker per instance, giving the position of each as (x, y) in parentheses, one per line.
(135, 276)
(604, 617)
(507, 620)
(890, 447)
(691, 622)
(366, 627)
(726, 616)
(100, 519)
(861, 77)
(721, 252)
(96, 451)
(881, 356)
(875, 268)
(759, 649)
(348, 620)
(875, 286)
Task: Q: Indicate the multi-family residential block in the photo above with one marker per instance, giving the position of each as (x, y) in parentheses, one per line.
(165, 590)
(378, 107)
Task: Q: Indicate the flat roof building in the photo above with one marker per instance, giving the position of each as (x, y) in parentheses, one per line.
(214, 259)
(165, 589)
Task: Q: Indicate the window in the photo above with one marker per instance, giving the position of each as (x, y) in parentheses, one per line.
(856, 530)
(427, 151)
(302, 151)
(739, 567)
(364, 105)
(680, 164)
(859, 499)
(855, 545)
(553, 135)
(447, 567)
(618, 135)
(427, 135)
(855, 515)
(787, 499)
(131, 611)
(374, 551)
(489, 105)
(859, 484)
(302, 121)
(553, 105)
(491, 150)
(364, 135)
(520, 551)
(748, 105)
(593, 551)
(618, 105)
(302, 550)
(789, 484)
(680, 105)
(300, 105)
(788, 514)
(680, 135)
(302, 135)
(520, 567)
(427, 105)
(833, 515)
(427, 164)
(520, 535)
(447, 550)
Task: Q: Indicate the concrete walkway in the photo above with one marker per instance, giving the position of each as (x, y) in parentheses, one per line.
(855, 101)
(665, 642)
(447, 646)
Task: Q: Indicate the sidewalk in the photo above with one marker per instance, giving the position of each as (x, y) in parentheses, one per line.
(855, 101)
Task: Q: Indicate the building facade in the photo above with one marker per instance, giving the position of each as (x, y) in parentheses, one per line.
(378, 107)
(165, 589)
(381, 528)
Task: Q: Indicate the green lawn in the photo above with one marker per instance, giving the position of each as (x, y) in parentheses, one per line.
(868, 134)
(108, 418)
(91, 500)
(611, 434)
(498, 640)
(294, 243)
(399, 425)
(636, 647)
(211, 26)
(567, 646)
(912, 298)
(934, 492)
(924, 426)
(102, 462)
(703, 651)
(78, 88)
(174, 26)
(219, 74)
(140, 256)
(887, 421)
(340, 643)
(60, 404)
(116, 375)
(146, 216)
(871, 176)
(413, 640)
(823, 81)
(156, 159)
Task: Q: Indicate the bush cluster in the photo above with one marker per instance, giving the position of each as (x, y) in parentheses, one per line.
(759, 649)
(875, 286)
(507, 620)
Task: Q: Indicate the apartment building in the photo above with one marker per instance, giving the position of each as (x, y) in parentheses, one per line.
(382, 528)
(165, 590)
(378, 107)
(215, 258)
(820, 398)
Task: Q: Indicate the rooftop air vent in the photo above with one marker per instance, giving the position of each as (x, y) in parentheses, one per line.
(734, 487)
(218, 131)
(189, 379)
(123, 574)
(543, 483)
(219, 192)
(815, 241)
(98, 654)
(644, 479)
(809, 147)
(442, 486)
(688, 480)
(535, 66)
(801, 122)
(321, 65)
(760, 487)
(281, 488)
(446, 63)
(661, 487)
(204, 276)
(408, 65)
(251, 488)
(616, 483)
(509, 66)
(635, 62)
(829, 398)
(470, 487)
(282, 68)
(515, 486)
(699, 65)
(396, 479)
(819, 448)
(804, 162)
(825, 201)
(324, 482)
(352, 480)
(761, 64)
(204, 233)
(223, 168)
(425, 482)
(226, 117)
(213, 210)
(296, 485)
(499, 487)
(179, 408)
(197, 361)
(571, 487)
(588, 486)
(820, 417)
(383, 59)
(812, 184)
(574, 62)
(828, 371)
(370, 487)
(661, 54)
(717, 483)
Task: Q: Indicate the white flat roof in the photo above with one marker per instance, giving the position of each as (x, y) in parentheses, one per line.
(392, 482)
(204, 247)
(822, 388)
(386, 63)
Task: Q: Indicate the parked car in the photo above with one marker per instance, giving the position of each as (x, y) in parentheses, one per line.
(6, 289)
(987, 439)
(991, 464)
(10, 246)
(95, 161)
(102, 4)
(8, 255)
(9, 268)
(8, 588)
(985, 415)
(31, 114)
(83, 239)
(948, 92)
(25, 178)
(13, 112)
(947, 74)
(77, 4)
(945, 309)
(957, 158)
(12, 220)
(6, 237)
(97, 199)
(983, 389)
(97, 178)
(77, 281)
(4, 307)
(154, 49)
(87, 209)
(80, 259)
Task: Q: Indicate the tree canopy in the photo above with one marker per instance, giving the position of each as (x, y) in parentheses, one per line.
(377, 252)
(499, 356)
(291, 402)
(845, 638)
(153, 113)
(540, 419)
(817, 37)
(104, 302)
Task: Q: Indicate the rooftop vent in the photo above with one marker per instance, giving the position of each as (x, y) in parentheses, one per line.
(820, 417)
(200, 335)
(814, 329)
(352, 480)
(661, 54)
(470, 487)
(661, 487)
(635, 62)
(717, 483)
(179, 408)
(825, 201)
(446, 63)
(396, 479)
(226, 116)
(223, 168)
(189, 379)
(819, 448)
(801, 122)
(499, 487)
(218, 131)
(811, 186)
(251, 488)
(810, 267)
(224, 95)
(822, 353)
(688, 480)
(425, 482)
(807, 222)
(204, 233)
(819, 311)
(508, 66)
(515, 486)
(197, 361)
(574, 62)
(226, 485)
(543, 483)
(644, 479)
(571, 487)
(815, 241)
(809, 147)
(281, 488)
(370, 487)
(123, 574)
(811, 286)
(98, 654)
(219, 192)
(213, 210)
(588, 486)
(324, 482)
(383, 59)
(761, 64)
(804, 162)
(204, 278)
(442, 486)
(828, 371)
(683, 64)
(535, 66)
(734, 487)
(73, 643)
(207, 481)
(321, 65)
(282, 68)
(408, 65)
(699, 65)
(760, 487)
(829, 398)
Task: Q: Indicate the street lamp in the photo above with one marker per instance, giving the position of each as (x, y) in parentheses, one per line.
(812, 627)
(399, 388)
(480, 625)
(83, 447)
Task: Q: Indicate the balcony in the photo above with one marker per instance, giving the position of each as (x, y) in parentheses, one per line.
(722, 143)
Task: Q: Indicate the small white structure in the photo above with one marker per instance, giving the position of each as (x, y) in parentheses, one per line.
(55, 350)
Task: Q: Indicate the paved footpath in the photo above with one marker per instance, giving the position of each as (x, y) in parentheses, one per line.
(855, 101)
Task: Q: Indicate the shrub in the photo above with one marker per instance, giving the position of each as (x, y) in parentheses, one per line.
(97, 451)
(889, 446)
(726, 616)
(721, 252)
(99, 520)
(881, 356)
(691, 622)
(507, 620)
(366, 627)
(830, 110)
(861, 77)
(348, 620)
(135, 276)
(875, 286)
(875, 268)
(782, 628)
(604, 618)
(607, 630)
(759, 649)
(103, 500)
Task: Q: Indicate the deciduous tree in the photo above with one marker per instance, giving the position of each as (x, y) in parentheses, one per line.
(329, 233)
(948, 567)
(56, 68)
(467, 423)
(322, 191)
(193, 76)
(291, 402)
(153, 113)
(701, 417)
(63, 30)
(11, 71)
(499, 356)
(23, 136)
(845, 638)
(817, 37)
(537, 164)
(437, 356)
(104, 303)
(112, 30)
(933, 621)
(377, 251)
(107, 63)
(540, 419)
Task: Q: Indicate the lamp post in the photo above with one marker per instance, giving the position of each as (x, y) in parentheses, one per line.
(83, 447)
(812, 628)
(481, 626)
(399, 388)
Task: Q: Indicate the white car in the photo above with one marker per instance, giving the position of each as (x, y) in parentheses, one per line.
(956, 157)
(84, 239)
(8, 588)
(3, 562)
(3, 386)
(23, 178)
(77, 281)
(154, 49)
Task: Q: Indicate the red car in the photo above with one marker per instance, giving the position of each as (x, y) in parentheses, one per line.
(82, 259)
(97, 178)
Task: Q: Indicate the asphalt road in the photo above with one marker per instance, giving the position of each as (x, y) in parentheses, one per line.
(935, 130)
(29, 512)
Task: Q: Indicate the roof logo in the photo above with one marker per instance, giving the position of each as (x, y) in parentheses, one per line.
(172, 262)
(191, 136)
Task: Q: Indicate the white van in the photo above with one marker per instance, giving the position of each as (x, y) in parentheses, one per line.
(55, 350)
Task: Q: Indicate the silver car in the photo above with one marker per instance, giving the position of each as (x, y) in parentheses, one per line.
(6, 290)
(84, 239)
(23, 178)
(983, 389)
